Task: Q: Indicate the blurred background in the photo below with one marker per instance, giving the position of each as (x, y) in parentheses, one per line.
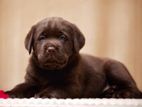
(112, 28)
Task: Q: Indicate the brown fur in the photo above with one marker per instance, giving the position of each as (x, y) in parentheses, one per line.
(57, 70)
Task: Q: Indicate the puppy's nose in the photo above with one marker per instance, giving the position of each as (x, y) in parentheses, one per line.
(51, 49)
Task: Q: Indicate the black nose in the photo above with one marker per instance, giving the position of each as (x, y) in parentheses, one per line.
(51, 49)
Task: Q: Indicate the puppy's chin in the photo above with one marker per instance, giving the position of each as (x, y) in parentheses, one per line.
(53, 66)
(53, 63)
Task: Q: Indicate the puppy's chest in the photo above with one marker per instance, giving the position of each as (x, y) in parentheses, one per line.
(54, 80)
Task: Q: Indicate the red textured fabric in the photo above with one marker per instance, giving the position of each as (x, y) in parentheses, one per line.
(3, 95)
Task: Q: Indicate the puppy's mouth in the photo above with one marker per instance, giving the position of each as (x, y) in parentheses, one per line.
(53, 65)
(53, 62)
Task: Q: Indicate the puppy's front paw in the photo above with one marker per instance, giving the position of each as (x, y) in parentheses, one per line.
(14, 95)
(47, 95)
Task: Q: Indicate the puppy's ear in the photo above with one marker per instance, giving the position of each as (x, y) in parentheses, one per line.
(79, 39)
(29, 40)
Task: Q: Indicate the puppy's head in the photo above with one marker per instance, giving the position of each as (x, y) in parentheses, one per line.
(52, 41)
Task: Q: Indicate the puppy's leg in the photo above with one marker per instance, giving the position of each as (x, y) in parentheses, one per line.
(119, 78)
(60, 92)
(51, 93)
(24, 90)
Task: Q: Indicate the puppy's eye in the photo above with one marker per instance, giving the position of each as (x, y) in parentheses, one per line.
(63, 37)
(42, 36)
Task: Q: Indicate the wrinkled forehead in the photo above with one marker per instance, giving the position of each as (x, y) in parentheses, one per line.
(54, 25)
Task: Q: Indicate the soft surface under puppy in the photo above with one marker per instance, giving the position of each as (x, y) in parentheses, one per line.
(57, 70)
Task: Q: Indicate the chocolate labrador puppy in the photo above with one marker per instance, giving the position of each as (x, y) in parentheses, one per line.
(57, 70)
